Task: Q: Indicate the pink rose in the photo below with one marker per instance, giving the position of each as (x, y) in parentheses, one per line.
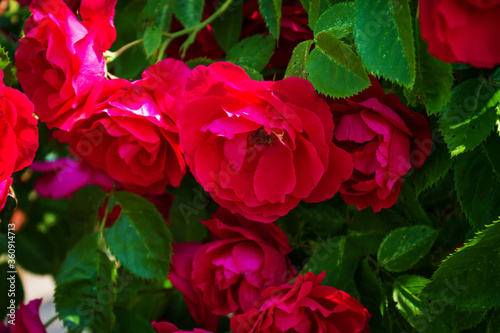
(164, 327)
(27, 319)
(132, 134)
(385, 139)
(60, 61)
(304, 306)
(19, 139)
(4, 191)
(63, 177)
(462, 31)
(228, 274)
(259, 147)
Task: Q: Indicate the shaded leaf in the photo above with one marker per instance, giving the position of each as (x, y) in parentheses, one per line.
(337, 20)
(188, 12)
(254, 52)
(271, 12)
(297, 65)
(151, 40)
(227, 27)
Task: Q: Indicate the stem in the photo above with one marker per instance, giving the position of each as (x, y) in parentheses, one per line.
(110, 56)
(51, 320)
(202, 25)
(103, 221)
(379, 268)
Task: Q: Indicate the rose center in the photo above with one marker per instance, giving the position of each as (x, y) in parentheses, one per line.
(260, 137)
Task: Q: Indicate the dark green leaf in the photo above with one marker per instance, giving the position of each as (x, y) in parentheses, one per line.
(469, 278)
(143, 226)
(254, 52)
(470, 116)
(372, 294)
(152, 40)
(253, 73)
(403, 247)
(6, 66)
(227, 27)
(337, 20)
(154, 6)
(334, 69)
(384, 39)
(271, 12)
(85, 293)
(188, 12)
(477, 181)
(409, 207)
(297, 65)
(130, 322)
(192, 63)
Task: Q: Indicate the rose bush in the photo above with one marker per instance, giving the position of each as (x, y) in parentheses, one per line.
(227, 274)
(462, 31)
(259, 147)
(304, 306)
(385, 140)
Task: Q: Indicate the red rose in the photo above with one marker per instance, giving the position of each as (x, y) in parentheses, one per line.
(27, 319)
(228, 274)
(60, 62)
(19, 139)
(385, 139)
(259, 147)
(132, 133)
(4, 191)
(164, 327)
(462, 31)
(305, 306)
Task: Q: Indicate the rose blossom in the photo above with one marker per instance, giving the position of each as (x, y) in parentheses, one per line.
(304, 306)
(228, 274)
(385, 139)
(164, 327)
(462, 31)
(27, 319)
(259, 147)
(60, 61)
(133, 133)
(19, 139)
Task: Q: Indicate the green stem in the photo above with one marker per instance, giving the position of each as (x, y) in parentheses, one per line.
(51, 320)
(200, 26)
(110, 56)
(103, 221)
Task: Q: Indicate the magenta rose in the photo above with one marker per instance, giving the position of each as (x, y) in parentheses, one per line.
(462, 31)
(4, 191)
(60, 61)
(228, 274)
(132, 134)
(259, 148)
(304, 306)
(19, 139)
(164, 327)
(27, 319)
(385, 140)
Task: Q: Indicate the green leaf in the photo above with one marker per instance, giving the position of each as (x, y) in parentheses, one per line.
(227, 27)
(372, 294)
(339, 257)
(9, 291)
(254, 52)
(188, 12)
(271, 12)
(334, 69)
(85, 293)
(470, 116)
(435, 167)
(204, 61)
(469, 278)
(403, 247)
(297, 65)
(129, 322)
(313, 12)
(409, 207)
(143, 226)
(6, 66)
(433, 81)
(253, 73)
(337, 20)
(154, 6)
(477, 181)
(384, 39)
(151, 40)
(416, 312)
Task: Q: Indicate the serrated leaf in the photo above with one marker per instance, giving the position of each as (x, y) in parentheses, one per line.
(6, 66)
(434, 79)
(253, 73)
(403, 247)
(384, 39)
(477, 182)
(470, 277)
(204, 61)
(470, 116)
(254, 52)
(339, 257)
(337, 20)
(84, 293)
(313, 13)
(227, 27)
(297, 65)
(151, 40)
(334, 69)
(271, 12)
(188, 12)
(143, 226)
